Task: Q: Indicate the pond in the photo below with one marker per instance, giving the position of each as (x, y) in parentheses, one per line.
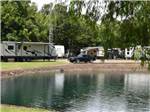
(79, 92)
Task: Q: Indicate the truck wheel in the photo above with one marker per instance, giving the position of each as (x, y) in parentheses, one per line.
(85, 61)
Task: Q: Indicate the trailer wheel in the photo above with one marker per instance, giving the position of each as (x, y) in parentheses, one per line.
(20, 59)
(26, 59)
(16, 59)
(5, 59)
(29, 59)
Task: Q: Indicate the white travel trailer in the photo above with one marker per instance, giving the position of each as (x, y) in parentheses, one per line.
(25, 51)
(129, 52)
(94, 51)
(134, 52)
(60, 51)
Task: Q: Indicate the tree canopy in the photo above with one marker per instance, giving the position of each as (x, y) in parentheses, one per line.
(79, 24)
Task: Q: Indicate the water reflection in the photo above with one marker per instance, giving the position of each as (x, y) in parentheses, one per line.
(137, 92)
(74, 92)
(59, 83)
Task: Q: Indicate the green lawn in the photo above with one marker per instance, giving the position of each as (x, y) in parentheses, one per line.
(28, 65)
(8, 108)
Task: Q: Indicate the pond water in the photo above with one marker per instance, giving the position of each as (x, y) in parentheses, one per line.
(75, 92)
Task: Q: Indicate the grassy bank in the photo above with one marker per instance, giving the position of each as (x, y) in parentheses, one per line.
(8, 108)
(28, 65)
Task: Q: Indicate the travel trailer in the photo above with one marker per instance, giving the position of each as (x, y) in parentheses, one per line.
(94, 51)
(60, 51)
(134, 52)
(129, 52)
(26, 51)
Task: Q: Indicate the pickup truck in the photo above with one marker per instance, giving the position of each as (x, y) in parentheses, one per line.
(81, 58)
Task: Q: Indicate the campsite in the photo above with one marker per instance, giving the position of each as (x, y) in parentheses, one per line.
(75, 56)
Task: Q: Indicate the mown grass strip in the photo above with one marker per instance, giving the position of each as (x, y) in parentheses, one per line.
(9, 108)
(30, 65)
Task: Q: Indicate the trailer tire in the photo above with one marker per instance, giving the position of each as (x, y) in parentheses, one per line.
(26, 59)
(20, 59)
(16, 59)
(5, 59)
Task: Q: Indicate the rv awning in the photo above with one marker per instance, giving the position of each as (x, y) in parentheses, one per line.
(28, 42)
(35, 43)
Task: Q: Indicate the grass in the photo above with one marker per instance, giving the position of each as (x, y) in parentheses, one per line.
(29, 65)
(9, 108)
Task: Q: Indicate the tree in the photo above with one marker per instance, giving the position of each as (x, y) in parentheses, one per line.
(121, 23)
(12, 22)
(21, 22)
(133, 22)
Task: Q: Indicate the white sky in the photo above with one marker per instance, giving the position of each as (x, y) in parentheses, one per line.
(40, 3)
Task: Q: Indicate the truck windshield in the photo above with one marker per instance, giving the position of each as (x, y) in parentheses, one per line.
(80, 55)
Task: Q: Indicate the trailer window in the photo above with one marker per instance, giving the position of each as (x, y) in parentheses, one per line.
(11, 47)
(25, 48)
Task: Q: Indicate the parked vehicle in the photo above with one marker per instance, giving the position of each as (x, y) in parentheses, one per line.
(81, 58)
(25, 51)
(115, 53)
(60, 51)
(94, 51)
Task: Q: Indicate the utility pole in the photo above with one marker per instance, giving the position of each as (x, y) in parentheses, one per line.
(50, 34)
(50, 37)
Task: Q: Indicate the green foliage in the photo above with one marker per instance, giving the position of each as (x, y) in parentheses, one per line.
(27, 65)
(138, 53)
(133, 21)
(21, 22)
(121, 23)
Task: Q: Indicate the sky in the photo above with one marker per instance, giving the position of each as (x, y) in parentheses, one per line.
(40, 3)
